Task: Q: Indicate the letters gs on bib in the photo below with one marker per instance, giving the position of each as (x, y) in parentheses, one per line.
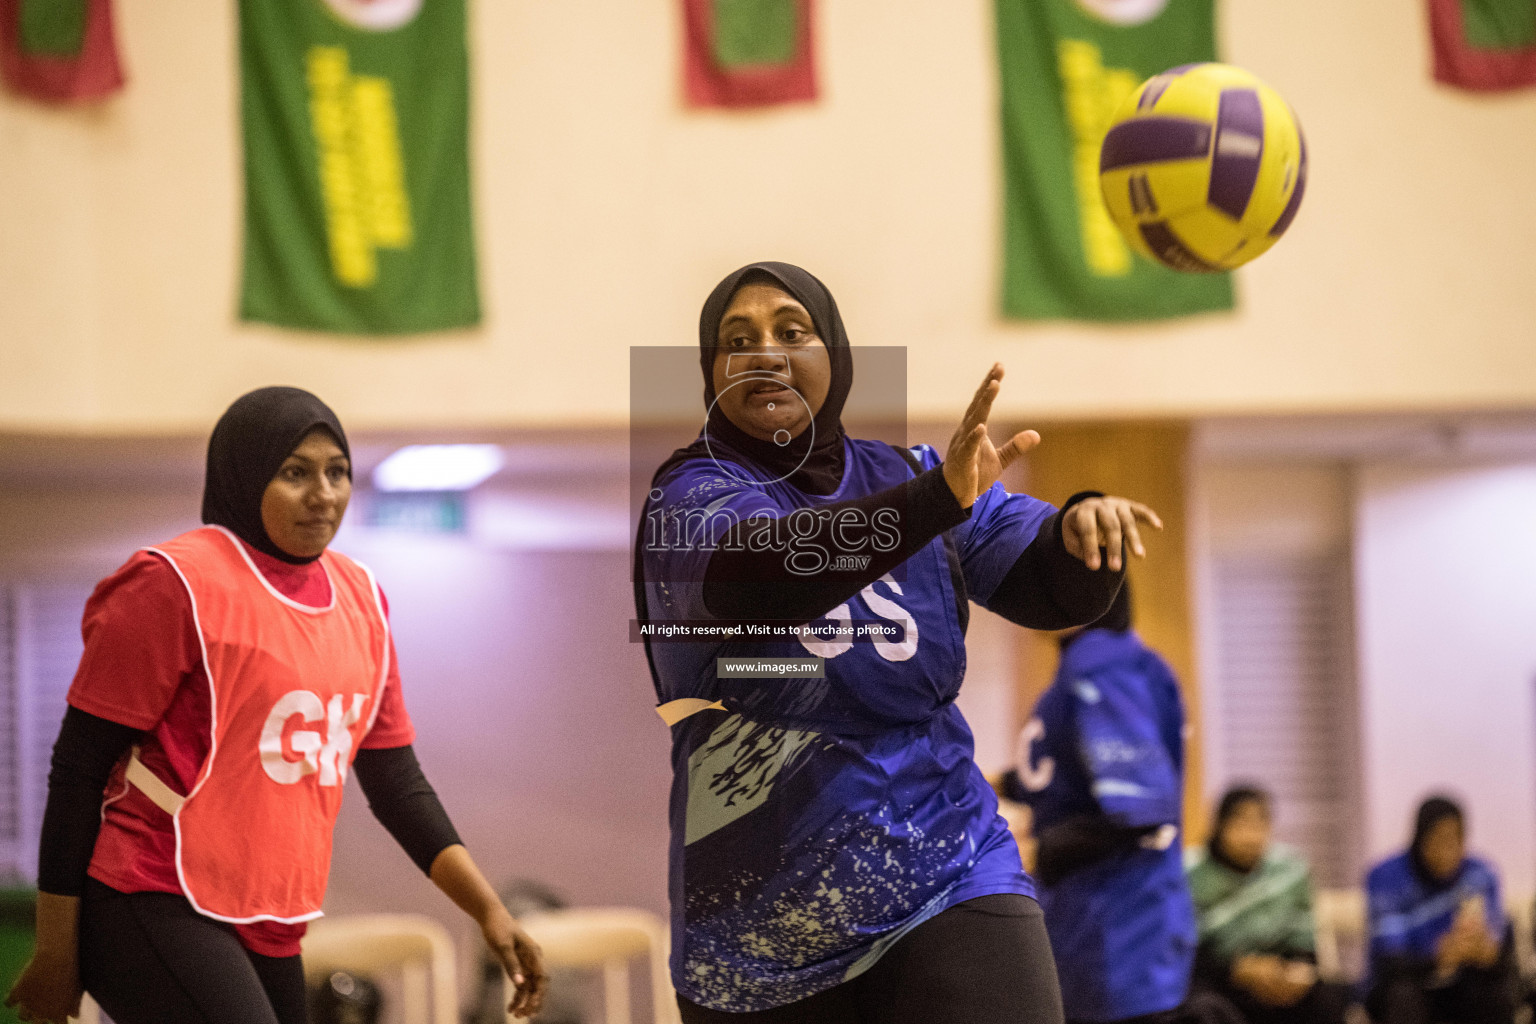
(882, 606)
(327, 752)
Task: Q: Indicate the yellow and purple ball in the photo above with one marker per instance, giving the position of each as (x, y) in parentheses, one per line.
(1203, 168)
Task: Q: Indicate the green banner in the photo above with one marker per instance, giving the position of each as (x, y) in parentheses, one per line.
(1499, 24)
(54, 27)
(1065, 66)
(755, 32)
(357, 207)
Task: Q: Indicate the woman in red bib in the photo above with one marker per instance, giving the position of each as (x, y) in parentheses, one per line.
(231, 679)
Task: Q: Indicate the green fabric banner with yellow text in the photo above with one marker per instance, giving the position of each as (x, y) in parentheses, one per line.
(357, 204)
(1066, 65)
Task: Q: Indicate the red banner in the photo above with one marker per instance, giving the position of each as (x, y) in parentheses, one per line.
(59, 50)
(1461, 62)
(748, 53)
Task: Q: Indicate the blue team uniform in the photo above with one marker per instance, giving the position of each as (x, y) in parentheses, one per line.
(816, 821)
(1408, 916)
(1107, 738)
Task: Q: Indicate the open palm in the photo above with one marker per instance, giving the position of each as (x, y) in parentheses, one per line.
(973, 463)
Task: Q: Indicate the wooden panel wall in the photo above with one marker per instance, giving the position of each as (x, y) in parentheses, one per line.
(1146, 461)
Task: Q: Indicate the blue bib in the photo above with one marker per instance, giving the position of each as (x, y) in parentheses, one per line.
(1107, 737)
(815, 821)
(1408, 916)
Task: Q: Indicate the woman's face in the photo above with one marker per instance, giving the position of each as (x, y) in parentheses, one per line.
(1245, 836)
(303, 505)
(769, 359)
(1443, 848)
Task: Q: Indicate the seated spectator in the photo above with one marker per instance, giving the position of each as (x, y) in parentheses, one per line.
(1440, 948)
(1253, 901)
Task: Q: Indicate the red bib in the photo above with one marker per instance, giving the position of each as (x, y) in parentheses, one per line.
(293, 691)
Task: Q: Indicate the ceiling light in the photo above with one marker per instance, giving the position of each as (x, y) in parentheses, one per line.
(438, 467)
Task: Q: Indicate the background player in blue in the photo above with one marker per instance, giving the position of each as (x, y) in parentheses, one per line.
(1439, 948)
(1102, 767)
(836, 854)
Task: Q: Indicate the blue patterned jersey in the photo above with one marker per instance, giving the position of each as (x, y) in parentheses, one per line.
(815, 821)
(1408, 917)
(1107, 737)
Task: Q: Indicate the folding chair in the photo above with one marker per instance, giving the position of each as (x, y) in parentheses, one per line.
(607, 939)
(416, 947)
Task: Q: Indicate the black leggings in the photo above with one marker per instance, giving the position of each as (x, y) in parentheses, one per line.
(149, 958)
(984, 961)
(1326, 1003)
(1478, 996)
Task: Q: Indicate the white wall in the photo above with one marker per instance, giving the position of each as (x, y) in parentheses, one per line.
(1254, 509)
(606, 211)
(1446, 605)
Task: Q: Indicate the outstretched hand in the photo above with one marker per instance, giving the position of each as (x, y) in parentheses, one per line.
(1108, 523)
(972, 463)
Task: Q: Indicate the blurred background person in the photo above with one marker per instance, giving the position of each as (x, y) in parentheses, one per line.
(1253, 905)
(1439, 940)
(1102, 767)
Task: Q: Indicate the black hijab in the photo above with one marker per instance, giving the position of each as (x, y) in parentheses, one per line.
(1116, 618)
(1431, 813)
(812, 462)
(1231, 800)
(247, 448)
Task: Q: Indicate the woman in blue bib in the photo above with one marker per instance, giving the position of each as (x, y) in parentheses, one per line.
(836, 854)
(1102, 769)
(1440, 943)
